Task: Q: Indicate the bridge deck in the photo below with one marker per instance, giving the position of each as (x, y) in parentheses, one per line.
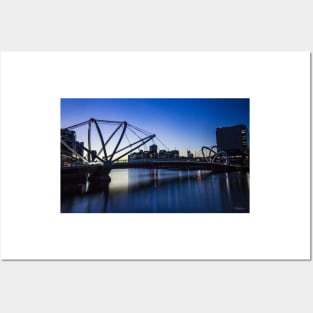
(179, 165)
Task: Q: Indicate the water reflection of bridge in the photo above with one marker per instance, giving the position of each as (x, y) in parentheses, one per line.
(165, 191)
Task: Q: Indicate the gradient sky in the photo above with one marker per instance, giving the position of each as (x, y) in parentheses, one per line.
(179, 123)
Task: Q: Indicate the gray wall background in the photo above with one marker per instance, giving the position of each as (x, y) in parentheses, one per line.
(149, 286)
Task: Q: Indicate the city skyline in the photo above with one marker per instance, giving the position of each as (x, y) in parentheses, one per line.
(181, 124)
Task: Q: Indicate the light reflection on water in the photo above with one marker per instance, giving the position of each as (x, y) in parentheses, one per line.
(165, 191)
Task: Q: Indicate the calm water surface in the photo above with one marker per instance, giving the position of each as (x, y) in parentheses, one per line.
(164, 191)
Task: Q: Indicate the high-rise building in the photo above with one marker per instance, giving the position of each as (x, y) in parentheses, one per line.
(233, 140)
(153, 148)
(70, 147)
(69, 138)
(153, 151)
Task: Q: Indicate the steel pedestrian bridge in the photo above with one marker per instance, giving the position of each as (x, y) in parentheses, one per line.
(117, 140)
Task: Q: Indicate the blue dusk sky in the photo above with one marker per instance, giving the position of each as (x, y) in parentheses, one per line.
(179, 123)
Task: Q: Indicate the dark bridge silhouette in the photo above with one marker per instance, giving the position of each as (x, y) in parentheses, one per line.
(80, 163)
(103, 156)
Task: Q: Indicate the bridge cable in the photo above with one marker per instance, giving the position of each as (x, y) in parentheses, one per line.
(135, 133)
(145, 132)
(77, 125)
(166, 148)
(138, 136)
(128, 140)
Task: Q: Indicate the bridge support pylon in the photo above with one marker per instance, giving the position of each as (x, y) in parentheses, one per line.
(100, 175)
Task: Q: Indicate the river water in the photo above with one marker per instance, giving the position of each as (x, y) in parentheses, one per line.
(164, 191)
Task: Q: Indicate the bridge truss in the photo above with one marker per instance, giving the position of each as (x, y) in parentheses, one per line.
(113, 141)
(215, 155)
